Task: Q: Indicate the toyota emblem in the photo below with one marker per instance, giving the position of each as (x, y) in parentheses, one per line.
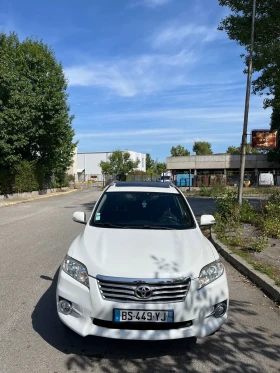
(143, 292)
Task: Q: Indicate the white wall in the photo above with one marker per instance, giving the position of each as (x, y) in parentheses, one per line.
(73, 169)
(218, 161)
(90, 161)
(141, 157)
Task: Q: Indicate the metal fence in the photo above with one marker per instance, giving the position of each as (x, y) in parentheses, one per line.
(87, 181)
(98, 181)
(144, 176)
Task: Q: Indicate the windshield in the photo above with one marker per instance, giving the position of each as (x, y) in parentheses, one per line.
(146, 210)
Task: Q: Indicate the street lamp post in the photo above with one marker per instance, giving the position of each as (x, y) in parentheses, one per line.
(246, 111)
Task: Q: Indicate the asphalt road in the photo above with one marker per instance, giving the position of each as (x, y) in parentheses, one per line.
(34, 238)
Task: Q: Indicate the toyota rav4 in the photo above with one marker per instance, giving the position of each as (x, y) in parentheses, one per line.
(142, 268)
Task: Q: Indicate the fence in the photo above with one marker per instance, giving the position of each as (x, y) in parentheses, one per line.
(99, 181)
(144, 176)
(86, 181)
(208, 180)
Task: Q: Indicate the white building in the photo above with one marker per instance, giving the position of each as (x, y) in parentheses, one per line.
(87, 164)
(72, 170)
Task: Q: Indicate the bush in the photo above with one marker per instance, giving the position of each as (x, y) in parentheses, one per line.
(60, 180)
(247, 213)
(259, 243)
(271, 226)
(215, 190)
(273, 204)
(30, 176)
(205, 192)
(227, 208)
(25, 177)
(6, 181)
(40, 176)
(269, 218)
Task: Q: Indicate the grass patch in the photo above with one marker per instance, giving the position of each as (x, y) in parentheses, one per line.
(242, 246)
(219, 190)
(263, 224)
(259, 190)
(270, 270)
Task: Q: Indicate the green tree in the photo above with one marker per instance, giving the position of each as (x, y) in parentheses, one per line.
(35, 124)
(179, 151)
(234, 150)
(150, 163)
(119, 164)
(25, 177)
(160, 167)
(202, 148)
(266, 57)
(237, 150)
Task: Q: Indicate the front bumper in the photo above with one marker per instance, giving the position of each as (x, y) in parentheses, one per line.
(89, 305)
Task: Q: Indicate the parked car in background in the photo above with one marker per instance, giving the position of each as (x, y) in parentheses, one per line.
(142, 269)
(266, 179)
(166, 177)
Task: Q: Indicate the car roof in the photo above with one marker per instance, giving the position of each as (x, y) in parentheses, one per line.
(142, 186)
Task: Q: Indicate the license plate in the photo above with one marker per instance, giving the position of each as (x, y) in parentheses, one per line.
(143, 316)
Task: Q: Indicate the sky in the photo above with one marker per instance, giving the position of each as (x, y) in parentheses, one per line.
(144, 75)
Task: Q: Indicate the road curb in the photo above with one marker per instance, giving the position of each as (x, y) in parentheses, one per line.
(39, 197)
(260, 279)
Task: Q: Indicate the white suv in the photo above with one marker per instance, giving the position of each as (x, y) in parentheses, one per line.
(142, 269)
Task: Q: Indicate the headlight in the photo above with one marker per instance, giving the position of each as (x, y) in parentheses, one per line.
(76, 270)
(210, 272)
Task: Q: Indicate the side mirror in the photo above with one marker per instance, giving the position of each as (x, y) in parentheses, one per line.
(79, 217)
(207, 220)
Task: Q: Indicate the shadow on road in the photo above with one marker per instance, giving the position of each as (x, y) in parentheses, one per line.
(86, 207)
(230, 350)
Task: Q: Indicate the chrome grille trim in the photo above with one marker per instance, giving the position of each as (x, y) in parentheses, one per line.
(163, 290)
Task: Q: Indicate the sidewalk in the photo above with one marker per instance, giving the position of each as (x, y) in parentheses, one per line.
(26, 197)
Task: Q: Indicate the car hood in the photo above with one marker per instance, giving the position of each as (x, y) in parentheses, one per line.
(141, 253)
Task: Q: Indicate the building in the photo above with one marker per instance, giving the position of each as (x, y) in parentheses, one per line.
(72, 170)
(225, 164)
(86, 164)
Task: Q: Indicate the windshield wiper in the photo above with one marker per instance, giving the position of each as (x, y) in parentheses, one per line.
(147, 227)
(107, 225)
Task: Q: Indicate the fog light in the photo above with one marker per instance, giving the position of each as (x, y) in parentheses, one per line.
(65, 307)
(220, 310)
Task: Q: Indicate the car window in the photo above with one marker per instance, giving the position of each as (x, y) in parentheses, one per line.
(145, 210)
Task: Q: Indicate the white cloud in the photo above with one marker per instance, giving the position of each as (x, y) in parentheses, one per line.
(177, 34)
(144, 74)
(152, 3)
(170, 127)
(213, 115)
(132, 133)
(159, 136)
(101, 76)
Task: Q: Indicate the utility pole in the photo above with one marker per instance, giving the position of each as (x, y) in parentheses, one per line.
(246, 111)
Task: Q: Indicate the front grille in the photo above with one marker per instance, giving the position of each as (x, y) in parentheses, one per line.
(157, 290)
(141, 325)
